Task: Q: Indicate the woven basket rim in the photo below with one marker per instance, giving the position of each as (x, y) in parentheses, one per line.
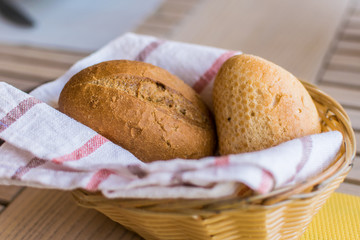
(80, 195)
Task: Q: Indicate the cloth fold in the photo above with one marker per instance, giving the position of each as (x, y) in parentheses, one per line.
(45, 148)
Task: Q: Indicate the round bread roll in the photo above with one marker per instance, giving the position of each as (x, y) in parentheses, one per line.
(257, 105)
(141, 107)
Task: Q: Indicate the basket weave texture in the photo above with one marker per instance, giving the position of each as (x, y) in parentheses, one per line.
(281, 214)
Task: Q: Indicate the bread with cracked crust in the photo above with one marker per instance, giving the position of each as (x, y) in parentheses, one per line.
(141, 107)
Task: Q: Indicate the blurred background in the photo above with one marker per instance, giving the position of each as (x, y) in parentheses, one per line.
(79, 25)
(293, 34)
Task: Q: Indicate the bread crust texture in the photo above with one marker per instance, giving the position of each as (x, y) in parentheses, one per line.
(258, 104)
(141, 107)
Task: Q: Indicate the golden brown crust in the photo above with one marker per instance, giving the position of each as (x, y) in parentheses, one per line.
(257, 104)
(142, 108)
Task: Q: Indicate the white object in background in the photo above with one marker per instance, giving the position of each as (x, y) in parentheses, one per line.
(82, 25)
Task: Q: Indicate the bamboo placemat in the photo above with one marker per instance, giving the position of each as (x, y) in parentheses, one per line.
(338, 219)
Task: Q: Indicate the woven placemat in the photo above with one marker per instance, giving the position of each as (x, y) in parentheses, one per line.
(339, 218)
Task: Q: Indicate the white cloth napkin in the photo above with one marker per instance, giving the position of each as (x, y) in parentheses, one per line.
(45, 148)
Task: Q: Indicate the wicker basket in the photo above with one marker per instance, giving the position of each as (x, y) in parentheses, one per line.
(281, 214)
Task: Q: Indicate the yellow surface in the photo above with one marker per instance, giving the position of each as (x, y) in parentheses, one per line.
(338, 219)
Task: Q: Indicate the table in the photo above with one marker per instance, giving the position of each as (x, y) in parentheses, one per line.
(316, 40)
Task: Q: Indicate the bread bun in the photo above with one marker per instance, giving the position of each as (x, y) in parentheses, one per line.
(142, 108)
(257, 105)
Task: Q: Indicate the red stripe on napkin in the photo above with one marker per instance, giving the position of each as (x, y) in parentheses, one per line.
(266, 182)
(306, 152)
(222, 161)
(17, 112)
(85, 150)
(307, 146)
(33, 163)
(98, 178)
(210, 74)
(148, 49)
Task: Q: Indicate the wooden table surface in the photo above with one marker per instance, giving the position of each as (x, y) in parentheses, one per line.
(316, 40)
